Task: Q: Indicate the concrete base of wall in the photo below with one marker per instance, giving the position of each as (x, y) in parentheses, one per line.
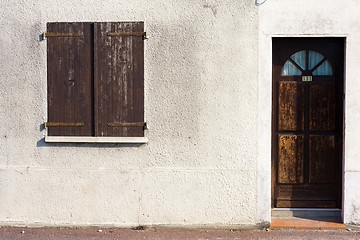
(237, 227)
(351, 198)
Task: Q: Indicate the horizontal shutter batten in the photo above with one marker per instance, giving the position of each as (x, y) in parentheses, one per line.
(60, 124)
(124, 34)
(137, 124)
(46, 35)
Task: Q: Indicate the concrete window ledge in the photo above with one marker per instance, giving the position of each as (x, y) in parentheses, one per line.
(61, 139)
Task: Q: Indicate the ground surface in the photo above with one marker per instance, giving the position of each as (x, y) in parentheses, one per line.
(12, 233)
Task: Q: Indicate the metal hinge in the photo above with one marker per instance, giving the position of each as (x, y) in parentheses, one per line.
(45, 35)
(125, 34)
(137, 124)
(59, 124)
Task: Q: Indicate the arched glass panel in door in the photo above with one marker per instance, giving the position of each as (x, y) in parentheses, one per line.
(316, 64)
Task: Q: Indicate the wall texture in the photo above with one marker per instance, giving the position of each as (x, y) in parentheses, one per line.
(207, 104)
(308, 18)
(200, 165)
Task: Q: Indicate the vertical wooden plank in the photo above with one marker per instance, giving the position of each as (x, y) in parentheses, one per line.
(127, 78)
(87, 96)
(322, 159)
(121, 64)
(85, 106)
(322, 107)
(103, 78)
(131, 108)
(291, 159)
(120, 79)
(96, 52)
(117, 65)
(138, 86)
(291, 106)
(74, 76)
(51, 73)
(69, 87)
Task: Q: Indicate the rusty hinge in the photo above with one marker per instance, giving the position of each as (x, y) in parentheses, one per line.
(59, 124)
(45, 35)
(124, 34)
(137, 124)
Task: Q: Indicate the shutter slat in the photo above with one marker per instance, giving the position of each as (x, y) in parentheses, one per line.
(102, 80)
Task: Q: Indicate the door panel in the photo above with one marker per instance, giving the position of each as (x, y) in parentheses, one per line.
(291, 159)
(291, 106)
(307, 122)
(322, 107)
(322, 159)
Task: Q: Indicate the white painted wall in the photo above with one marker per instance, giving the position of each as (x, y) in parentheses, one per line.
(207, 103)
(201, 103)
(309, 18)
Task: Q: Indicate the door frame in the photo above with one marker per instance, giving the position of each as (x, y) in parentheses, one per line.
(264, 120)
(339, 117)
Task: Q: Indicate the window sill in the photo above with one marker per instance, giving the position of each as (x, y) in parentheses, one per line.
(61, 139)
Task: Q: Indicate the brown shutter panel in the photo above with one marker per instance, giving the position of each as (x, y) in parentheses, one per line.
(119, 79)
(69, 66)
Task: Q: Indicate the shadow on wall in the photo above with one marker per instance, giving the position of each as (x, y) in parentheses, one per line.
(42, 143)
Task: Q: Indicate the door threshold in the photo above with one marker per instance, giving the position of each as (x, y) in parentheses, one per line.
(306, 218)
(307, 209)
(306, 224)
(307, 213)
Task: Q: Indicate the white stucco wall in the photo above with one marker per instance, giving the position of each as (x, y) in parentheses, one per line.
(200, 165)
(207, 104)
(307, 18)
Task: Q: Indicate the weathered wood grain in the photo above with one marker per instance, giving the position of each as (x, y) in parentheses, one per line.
(291, 106)
(119, 79)
(322, 107)
(69, 79)
(291, 159)
(322, 159)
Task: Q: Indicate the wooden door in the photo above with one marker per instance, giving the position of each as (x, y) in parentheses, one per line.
(307, 122)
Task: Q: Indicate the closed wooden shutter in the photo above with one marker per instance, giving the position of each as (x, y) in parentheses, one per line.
(69, 65)
(119, 78)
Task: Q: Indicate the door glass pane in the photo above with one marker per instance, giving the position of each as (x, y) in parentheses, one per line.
(323, 69)
(300, 58)
(314, 58)
(290, 69)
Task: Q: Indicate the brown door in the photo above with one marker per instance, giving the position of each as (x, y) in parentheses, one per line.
(307, 122)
